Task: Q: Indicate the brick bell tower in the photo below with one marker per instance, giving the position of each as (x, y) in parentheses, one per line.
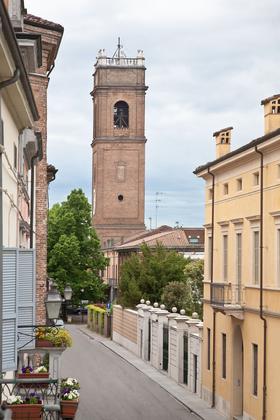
(118, 146)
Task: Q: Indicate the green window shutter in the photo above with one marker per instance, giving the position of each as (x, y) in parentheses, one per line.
(26, 297)
(9, 332)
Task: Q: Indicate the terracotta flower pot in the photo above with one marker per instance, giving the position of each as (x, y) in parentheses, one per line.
(26, 411)
(42, 375)
(68, 408)
(40, 342)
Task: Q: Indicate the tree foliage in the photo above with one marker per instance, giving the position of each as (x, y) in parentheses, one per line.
(145, 274)
(74, 253)
(160, 275)
(178, 294)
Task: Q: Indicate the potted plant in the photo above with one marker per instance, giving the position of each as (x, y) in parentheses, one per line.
(53, 337)
(28, 409)
(28, 372)
(69, 398)
(42, 339)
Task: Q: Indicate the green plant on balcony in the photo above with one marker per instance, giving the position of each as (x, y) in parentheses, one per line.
(55, 337)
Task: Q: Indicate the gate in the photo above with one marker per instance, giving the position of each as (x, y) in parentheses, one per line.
(165, 348)
(186, 361)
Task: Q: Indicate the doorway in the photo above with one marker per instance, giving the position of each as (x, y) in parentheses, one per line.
(238, 372)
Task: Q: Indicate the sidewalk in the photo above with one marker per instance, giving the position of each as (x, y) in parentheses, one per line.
(179, 392)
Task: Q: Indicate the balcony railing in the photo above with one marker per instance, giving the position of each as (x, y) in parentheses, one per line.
(223, 294)
(46, 389)
(113, 282)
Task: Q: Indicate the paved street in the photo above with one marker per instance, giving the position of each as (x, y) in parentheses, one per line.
(112, 389)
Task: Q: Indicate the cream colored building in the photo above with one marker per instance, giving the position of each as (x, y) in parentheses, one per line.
(241, 370)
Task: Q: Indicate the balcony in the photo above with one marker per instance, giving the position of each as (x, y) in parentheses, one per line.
(47, 390)
(113, 282)
(228, 298)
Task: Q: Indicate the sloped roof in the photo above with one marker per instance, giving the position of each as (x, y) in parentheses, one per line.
(174, 238)
(43, 23)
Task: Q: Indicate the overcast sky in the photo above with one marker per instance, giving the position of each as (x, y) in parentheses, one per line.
(209, 64)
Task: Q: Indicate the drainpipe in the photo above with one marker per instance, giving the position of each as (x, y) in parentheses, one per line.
(211, 281)
(261, 286)
(3, 84)
(32, 198)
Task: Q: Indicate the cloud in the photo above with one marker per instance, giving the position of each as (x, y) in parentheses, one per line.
(209, 64)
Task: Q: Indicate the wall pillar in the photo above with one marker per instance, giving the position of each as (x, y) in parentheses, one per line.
(178, 373)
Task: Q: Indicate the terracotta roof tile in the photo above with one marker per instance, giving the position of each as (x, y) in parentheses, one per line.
(43, 23)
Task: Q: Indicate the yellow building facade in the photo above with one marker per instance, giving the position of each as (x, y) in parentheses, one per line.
(241, 370)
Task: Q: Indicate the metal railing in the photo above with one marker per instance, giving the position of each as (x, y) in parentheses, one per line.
(46, 389)
(113, 282)
(122, 61)
(226, 294)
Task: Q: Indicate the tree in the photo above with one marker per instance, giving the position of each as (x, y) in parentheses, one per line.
(194, 272)
(74, 253)
(145, 274)
(178, 294)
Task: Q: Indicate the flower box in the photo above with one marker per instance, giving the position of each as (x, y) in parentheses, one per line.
(68, 408)
(42, 375)
(26, 411)
(40, 342)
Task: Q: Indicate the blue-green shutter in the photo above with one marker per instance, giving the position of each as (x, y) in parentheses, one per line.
(26, 297)
(9, 331)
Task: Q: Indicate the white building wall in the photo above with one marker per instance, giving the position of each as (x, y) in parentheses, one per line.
(10, 213)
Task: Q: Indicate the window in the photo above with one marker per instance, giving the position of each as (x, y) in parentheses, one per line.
(239, 184)
(209, 256)
(239, 258)
(226, 189)
(15, 156)
(255, 370)
(278, 171)
(210, 193)
(224, 355)
(225, 257)
(275, 107)
(208, 348)
(256, 178)
(256, 257)
(121, 115)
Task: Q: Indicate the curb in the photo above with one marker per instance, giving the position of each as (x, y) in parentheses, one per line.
(139, 370)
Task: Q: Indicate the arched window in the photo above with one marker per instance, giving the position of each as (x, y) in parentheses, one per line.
(121, 115)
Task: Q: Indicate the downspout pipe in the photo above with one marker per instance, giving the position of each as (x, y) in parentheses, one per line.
(261, 287)
(211, 288)
(32, 199)
(38, 155)
(3, 84)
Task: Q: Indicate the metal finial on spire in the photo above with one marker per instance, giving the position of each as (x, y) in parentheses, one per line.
(119, 47)
(119, 53)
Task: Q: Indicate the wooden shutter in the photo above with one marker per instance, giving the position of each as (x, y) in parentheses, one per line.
(9, 332)
(26, 297)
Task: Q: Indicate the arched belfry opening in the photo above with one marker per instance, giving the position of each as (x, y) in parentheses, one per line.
(121, 114)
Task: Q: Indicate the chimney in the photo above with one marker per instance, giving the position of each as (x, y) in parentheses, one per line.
(223, 139)
(271, 113)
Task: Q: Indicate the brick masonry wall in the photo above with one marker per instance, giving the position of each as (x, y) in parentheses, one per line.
(39, 83)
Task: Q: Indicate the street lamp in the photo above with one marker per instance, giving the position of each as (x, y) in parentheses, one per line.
(68, 292)
(53, 303)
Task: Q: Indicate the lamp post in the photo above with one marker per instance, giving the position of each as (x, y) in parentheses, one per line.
(67, 293)
(53, 304)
